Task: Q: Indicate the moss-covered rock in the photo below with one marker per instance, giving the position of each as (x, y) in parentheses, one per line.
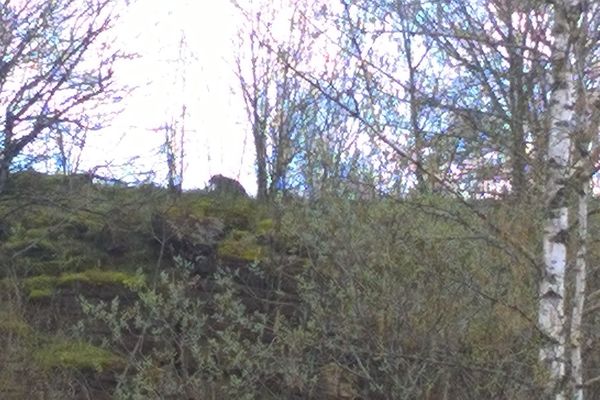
(264, 226)
(76, 355)
(42, 286)
(32, 243)
(235, 212)
(241, 245)
(101, 277)
(50, 241)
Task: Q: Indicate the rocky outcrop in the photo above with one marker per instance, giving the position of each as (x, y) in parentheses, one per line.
(191, 238)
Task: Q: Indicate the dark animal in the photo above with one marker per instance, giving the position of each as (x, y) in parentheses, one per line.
(220, 184)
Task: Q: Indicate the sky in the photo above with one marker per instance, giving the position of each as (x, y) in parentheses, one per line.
(217, 140)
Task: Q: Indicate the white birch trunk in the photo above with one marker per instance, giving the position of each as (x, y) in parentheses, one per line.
(551, 317)
(587, 145)
(579, 294)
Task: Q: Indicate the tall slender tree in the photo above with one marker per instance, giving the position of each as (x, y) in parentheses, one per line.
(551, 315)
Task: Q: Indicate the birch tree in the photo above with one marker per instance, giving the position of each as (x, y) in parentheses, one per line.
(576, 334)
(586, 151)
(551, 317)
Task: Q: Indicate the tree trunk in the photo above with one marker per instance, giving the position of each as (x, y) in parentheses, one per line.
(518, 113)
(5, 153)
(3, 176)
(417, 133)
(551, 315)
(579, 294)
(588, 123)
(415, 107)
(261, 164)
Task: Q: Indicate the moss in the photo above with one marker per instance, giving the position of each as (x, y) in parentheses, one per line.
(44, 285)
(241, 245)
(76, 355)
(39, 248)
(12, 323)
(235, 212)
(40, 293)
(46, 246)
(34, 181)
(81, 225)
(38, 219)
(189, 205)
(40, 286)
(198, 207)
(69, 229)
(264, 226)
(99, 277)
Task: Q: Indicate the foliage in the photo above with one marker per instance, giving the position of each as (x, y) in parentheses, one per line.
(379, 290)
(338, 298)
(363, 310)
(206, 347)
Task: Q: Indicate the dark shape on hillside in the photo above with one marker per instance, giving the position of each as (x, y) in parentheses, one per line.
(222, 185)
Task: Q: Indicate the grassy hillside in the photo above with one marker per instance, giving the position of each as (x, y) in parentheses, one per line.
(131, 293)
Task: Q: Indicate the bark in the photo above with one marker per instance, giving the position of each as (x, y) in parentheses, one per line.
(256, 112)
(551, 316)
(261, 160)
(3, 176)
(414, 115)
(518, 113)
(5, 157)
(283, 109)
(589, 121)
(579, 294)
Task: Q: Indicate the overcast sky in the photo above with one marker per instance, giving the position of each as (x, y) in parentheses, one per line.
(217, 128)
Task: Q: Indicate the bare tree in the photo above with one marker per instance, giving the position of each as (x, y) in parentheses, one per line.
(174, 129)
(278, 102)
(496, 49)
(56, 70)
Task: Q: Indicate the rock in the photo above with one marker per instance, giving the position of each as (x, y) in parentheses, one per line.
(191, 238)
